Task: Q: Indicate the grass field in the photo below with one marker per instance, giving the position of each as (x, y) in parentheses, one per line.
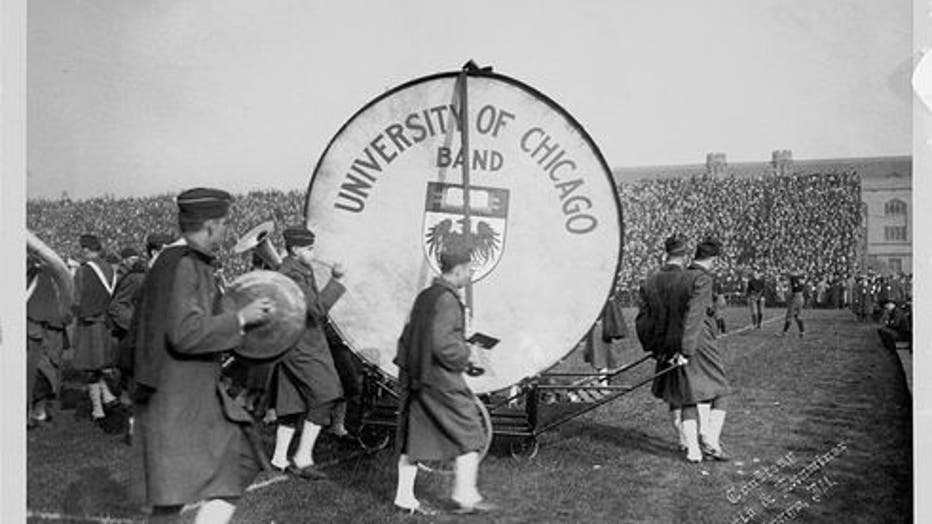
(832, 407)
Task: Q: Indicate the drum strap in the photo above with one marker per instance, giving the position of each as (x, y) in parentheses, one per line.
(31, 287)
(103, 280)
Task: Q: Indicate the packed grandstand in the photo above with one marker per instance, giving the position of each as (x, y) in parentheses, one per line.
(772, 223)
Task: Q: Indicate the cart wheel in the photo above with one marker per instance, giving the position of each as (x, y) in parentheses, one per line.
(446, 467)
(373, 438)
(524, 448)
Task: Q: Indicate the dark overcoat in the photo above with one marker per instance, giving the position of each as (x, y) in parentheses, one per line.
(120, 311)
(438, 418)
(703, 377)
(191, 444)
(306, 377)
(660, 322)
(46, 318)
(603, 347)
(93, 343)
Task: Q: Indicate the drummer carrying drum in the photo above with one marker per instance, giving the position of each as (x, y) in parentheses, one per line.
(438, 419)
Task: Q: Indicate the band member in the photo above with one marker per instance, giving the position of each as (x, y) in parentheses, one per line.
(94, 282)
(602, 346)
(122, 305)
(46, 318)
(438, 419)
(659, 322)
(756, 300)
(187, 427)
(307, 384)
(155, 242)
(794, 306)
(704, 371)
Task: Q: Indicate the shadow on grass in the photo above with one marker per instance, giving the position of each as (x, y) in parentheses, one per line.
(626, 439)
(95, 489)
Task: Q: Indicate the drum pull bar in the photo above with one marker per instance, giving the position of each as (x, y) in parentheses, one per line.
(603, 401)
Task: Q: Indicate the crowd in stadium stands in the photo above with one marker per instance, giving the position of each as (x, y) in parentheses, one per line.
(126, 222)
(772, 223)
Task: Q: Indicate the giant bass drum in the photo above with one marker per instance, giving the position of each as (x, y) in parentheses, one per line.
(543, 218)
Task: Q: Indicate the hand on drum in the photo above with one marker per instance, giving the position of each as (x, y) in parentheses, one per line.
(258, 311)
(337, 271)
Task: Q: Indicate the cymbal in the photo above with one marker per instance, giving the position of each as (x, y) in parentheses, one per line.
(282, 331)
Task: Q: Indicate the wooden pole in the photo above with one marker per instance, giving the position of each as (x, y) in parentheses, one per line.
(464, 151)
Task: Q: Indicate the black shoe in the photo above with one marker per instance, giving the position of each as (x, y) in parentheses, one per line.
(312, 472)
(714, 454)
(420, 509)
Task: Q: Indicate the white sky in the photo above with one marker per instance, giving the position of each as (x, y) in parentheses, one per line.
(136, 98)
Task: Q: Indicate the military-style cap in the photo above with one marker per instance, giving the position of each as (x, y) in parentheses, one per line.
(675, 246)
(204, 203)
(90, 242)
(451, 258)
(127, 252)
(707, 249)
(157, 240)
(298, 236)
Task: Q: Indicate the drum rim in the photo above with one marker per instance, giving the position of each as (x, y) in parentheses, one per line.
(606, 170)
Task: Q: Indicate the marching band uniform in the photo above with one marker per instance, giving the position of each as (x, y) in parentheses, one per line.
(659, 323)
(188, 428)
(438, 419)
(93, 283)
(124, 301)
(46, 318)
(306, 380)
(704, 373)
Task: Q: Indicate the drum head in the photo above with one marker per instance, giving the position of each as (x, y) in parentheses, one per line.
(273, 338)
(544, 219)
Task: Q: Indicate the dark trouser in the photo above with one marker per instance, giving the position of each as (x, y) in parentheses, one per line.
(756, 305)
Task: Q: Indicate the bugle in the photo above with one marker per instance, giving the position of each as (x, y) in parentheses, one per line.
(258, 239)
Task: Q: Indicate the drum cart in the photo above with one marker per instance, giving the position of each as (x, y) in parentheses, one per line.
(519, 416)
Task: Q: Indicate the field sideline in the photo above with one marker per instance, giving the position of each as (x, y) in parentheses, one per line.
(830, 411)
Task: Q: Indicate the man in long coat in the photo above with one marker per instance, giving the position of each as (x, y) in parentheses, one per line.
(93, 344)
(438, 419)
(47, 314)
(125, 299)
(659, 322)
(706, 384)
(306, 381)
(188, 429)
